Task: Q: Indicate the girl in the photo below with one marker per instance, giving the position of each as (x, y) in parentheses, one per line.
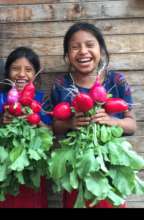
(21, 66)
(86, 53)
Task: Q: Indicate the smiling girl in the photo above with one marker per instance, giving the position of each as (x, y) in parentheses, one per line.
(21, 66)
(86, 53)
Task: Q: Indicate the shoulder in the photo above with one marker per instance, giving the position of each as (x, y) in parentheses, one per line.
(39, 95)
(117, 77)
(3, 98)
(62, 80)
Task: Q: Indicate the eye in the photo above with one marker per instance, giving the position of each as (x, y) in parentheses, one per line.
(28, 70)
(90, 45)
(15, 68)
(74, 47)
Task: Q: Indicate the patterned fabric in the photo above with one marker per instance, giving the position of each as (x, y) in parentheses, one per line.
(114, 83)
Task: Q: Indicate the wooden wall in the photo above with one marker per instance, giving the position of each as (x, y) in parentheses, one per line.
(41, 24)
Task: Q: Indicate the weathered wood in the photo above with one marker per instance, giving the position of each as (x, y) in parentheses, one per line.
(137, 143)
(70, 11)
(135, 77)
(118, 62)
(133, 204)
(127, 61)
(54, 46)
(22, 2)
(121, 62)
(58, 29)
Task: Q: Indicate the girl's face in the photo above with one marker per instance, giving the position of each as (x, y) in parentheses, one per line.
(21, 72)
(84, 52)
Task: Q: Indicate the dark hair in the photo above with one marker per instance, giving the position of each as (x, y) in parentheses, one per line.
(89, 28)
(21, 52)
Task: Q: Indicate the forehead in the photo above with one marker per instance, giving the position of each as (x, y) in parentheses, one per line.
(82, 36)
(22, 62)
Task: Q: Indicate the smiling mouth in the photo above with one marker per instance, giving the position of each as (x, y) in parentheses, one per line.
(20, 83)
(84, 60)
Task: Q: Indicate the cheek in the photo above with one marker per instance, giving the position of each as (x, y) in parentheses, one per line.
(30, 75)
(12, 76)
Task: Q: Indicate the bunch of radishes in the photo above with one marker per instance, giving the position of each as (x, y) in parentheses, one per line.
(84, 102)
(23, 103)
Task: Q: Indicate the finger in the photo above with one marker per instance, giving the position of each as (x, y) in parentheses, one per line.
(100, 111)
(79, 114)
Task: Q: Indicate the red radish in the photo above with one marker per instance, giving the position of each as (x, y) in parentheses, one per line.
(82, 102)
(115, 105)
(98, 92)
(35, 106)
(29, 88)
(33, 119)
(15, 109)
(61, 111)
(13, 95)
(25, 100)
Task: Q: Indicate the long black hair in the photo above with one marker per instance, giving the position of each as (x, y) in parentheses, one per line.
(89, 28)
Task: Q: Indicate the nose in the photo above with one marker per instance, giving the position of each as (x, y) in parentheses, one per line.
(21, 73)
(83, 49)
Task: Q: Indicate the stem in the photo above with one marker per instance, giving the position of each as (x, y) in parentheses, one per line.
(5, 83)
(12, 83)
(37, 74)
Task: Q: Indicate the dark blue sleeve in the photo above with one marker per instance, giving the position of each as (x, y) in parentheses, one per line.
(124, 89)
(3, 98)
(47, 119)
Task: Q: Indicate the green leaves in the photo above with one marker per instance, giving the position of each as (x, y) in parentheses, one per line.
(97, 162)
(58, 162)
(98, 185)
(23, 155)
(121, 153)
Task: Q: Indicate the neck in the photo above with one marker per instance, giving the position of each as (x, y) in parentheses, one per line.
(86, 80)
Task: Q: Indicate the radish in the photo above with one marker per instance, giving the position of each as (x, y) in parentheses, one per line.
(98, 92)
(25, 100)
(61, 111)
(12, 96)
(115, 105)
(15, 109)
(82, 102)
(33, 119)
(35, 106)
(28, 90)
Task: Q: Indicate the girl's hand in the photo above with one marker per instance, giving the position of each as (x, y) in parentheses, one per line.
(79, 120)
(7, 118)
(102, 117)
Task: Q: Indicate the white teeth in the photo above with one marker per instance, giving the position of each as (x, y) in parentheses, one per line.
(21, 81)
(84, 60)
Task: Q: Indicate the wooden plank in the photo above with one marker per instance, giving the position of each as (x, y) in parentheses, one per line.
(121, 62)
(54, 46)
(140, 129)
(23, 2)
(118, 62)
(137, 143)
(58, 29)
(135, 204)
(125, 43)
(135, 77)
(127, 61)
(70, 11)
